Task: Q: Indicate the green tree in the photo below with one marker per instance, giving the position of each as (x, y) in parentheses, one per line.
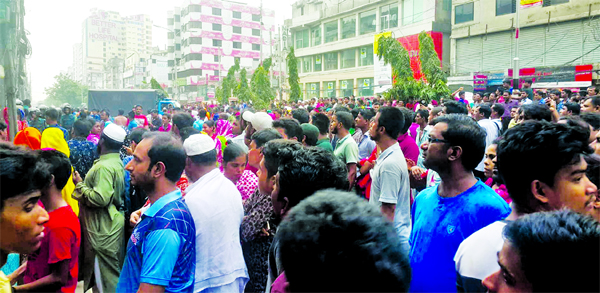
(293, 78)
(156, 86)
(404, 85)
(65, 90)
(266, 64)
(242, 91)
(431, 66)
(228, 84)
(262, 93)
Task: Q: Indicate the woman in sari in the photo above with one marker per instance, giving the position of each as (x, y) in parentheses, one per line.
(235, 158)
(223, 132)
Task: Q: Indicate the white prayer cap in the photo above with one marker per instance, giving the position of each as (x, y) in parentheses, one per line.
(115, 132)
(198, 144)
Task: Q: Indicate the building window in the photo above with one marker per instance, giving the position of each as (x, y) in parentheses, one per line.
(170, 21)
(348, 27)
(554, 2)
(329, 88)
(217, 43)
(347, 87)
(171, 63)
(463, 13)
(255, 47)
(368, 22)
(237, 29)
(193, 56)
(255, 17)
(306, 62)
(177, 47)
(171, 49)
(348, 58)
(194, 24)
(506, 7)
(177, 18)
(312, 90)
(302, 10)
(365, 86)
(315, 34)
(216, 58)
(195, 8)
(366, 55)
(318, 63)
(195, 41)
(412, 11)
(255, 32)
(170, 35)
(237, 15)
(331, 61)
(237, 45)
(302, 39)
(389, 16)
(216, 11)
(331, 31)
(216, 27)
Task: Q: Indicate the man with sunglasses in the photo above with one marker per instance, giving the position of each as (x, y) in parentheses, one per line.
(447, 213)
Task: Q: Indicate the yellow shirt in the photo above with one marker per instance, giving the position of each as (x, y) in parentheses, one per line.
(4, 284)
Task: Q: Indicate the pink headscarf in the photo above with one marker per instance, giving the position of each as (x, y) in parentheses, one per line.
(224, 128)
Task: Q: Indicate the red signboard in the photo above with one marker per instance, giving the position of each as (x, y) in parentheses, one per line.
(411, 44)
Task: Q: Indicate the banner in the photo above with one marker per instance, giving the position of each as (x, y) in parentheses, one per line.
(531, 3)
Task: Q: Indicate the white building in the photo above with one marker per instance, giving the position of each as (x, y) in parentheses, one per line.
(558, 42)
(205, 37)
(157, 68)
(109, 41)
(334, 39)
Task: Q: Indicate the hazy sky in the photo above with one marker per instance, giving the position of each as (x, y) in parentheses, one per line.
(55, 25)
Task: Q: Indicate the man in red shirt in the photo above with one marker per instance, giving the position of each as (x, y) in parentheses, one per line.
(54, 266)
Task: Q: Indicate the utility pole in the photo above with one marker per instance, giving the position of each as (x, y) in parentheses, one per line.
(13, 60)
(261, 32)
(273, 58)
(280, 50)
(516, 60)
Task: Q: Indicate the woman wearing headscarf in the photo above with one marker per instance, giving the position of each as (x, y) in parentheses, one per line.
(29, 137)
(223, 132)
(20, 123)
(53, 138)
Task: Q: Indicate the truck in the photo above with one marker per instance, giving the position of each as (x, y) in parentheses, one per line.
(126, 99)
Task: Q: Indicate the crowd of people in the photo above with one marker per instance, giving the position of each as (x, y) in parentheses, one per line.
(340, 194)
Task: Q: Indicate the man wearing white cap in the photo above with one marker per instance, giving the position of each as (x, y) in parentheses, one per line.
(216, 206)
(257, 122)
(101, 213)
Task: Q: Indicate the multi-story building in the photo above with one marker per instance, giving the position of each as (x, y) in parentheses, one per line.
(157, 67)
(77, 66)
(108, 41)
(205, 37)
(559, 42)
(334, 40)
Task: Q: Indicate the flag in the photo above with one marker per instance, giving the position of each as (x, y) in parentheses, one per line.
(531, 3)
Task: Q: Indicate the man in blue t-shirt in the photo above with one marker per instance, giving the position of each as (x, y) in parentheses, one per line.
(161, 254)
(447, 213)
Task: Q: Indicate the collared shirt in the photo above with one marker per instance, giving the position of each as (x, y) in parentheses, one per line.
(347, 150)
(216, 206)
(365, 147)
(391, 185)
(325, 144)
(509, 105)
(161, 249)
